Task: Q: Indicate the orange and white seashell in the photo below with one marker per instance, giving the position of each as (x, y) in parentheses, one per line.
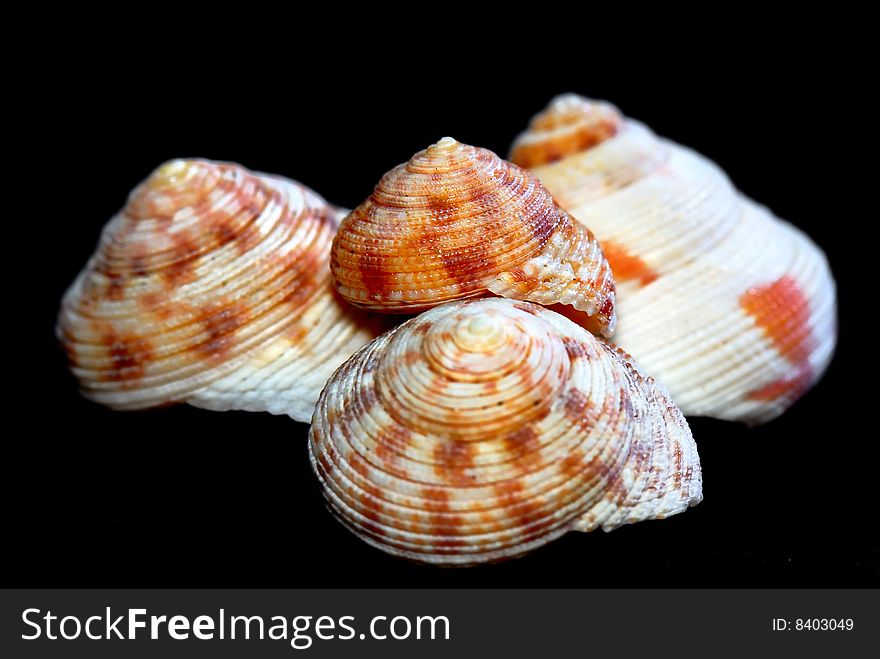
(457, 221)
(730, 307)
(482, 429)
(212, 286)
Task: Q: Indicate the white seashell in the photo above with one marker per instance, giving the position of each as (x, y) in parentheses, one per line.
(482, 429)
(731, 308)
(212, 286)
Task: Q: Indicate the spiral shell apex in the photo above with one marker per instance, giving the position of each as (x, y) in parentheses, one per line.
(211, 286)
(569, 125)
(457, 221)
(733, 309)
(483, 429)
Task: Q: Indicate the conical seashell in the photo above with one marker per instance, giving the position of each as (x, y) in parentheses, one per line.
(455, 222)
(731, 308)
(483, 429)
(212, 286)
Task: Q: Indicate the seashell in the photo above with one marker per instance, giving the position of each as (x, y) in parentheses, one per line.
(482, 429)
(211, 286)
(456, 222)
(730, 307)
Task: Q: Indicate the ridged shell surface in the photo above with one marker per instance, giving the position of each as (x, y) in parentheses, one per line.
(212, 286)
(457, 221)
(733, 309)
(482, 429)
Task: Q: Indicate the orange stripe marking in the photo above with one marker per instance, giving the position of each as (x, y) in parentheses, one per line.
(783, 311)
(625, 265)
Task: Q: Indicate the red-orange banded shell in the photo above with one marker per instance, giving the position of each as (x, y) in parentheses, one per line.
(483, 429)
(731, 308)
(457, 221)
(211, 286)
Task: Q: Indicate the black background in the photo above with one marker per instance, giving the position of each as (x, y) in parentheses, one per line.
(187, 497)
